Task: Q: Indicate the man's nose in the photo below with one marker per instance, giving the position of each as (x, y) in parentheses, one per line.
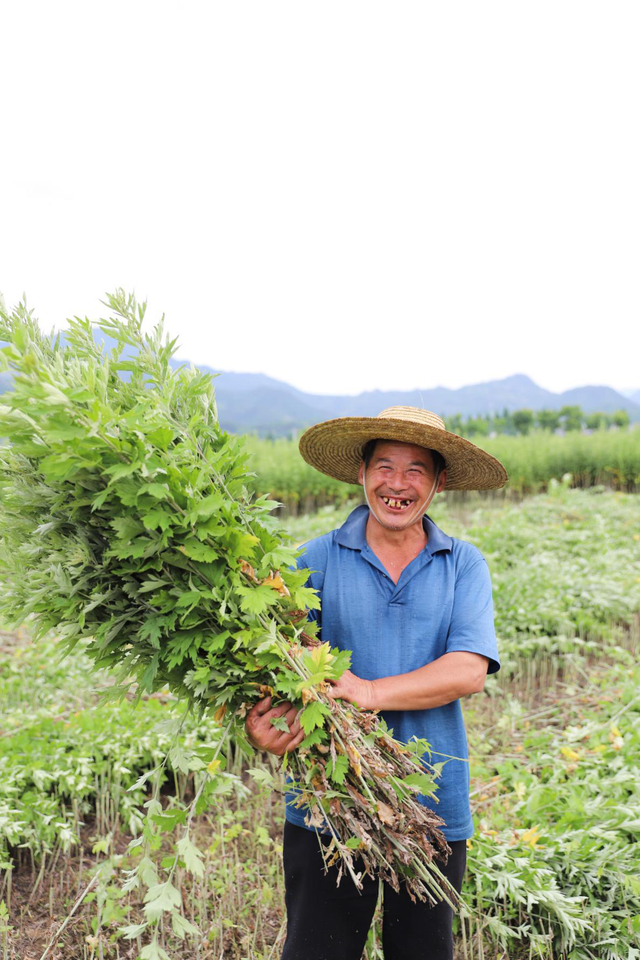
(397, 482)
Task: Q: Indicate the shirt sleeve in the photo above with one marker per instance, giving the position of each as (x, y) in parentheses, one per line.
(472, 628)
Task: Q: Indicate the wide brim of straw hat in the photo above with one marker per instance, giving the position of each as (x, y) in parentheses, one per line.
(335, 447)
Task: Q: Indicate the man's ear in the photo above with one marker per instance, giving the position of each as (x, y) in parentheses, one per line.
(441, 482)
(361, 473)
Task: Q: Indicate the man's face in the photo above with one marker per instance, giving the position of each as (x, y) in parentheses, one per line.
(398, 483)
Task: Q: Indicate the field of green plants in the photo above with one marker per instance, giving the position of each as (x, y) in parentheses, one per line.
(609, 458)
(554, 744)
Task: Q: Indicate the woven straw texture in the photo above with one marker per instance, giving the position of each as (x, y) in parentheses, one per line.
(335, 447)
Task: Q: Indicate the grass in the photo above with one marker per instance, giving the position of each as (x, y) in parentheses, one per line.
(553, 866)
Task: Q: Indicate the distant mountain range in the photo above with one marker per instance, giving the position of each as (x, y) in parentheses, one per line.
(250, 402)
(256, 403)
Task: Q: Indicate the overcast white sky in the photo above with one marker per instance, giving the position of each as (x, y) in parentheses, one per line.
(346, 195)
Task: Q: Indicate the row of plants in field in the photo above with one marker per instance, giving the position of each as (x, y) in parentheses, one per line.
(552, 868)
(565, 568)
(554, 775)
(68, 757)
(554, 865)
(606, 458)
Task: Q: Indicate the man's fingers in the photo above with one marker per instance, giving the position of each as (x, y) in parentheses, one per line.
(296, 741)
(295, 728)
(262, 706)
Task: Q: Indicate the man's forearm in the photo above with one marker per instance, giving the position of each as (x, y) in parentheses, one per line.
(447, 679)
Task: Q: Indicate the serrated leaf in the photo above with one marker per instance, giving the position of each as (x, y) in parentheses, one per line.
(191, 856)
(207, 507)
(160, 898)
(313, 715)
(256, 599)
(183, 927)
(280, 723)
(153, 951)
(339, 769)
(199, 551)
(148, 585)
(422, 782)
(315, 737)
(156, 519)
(261, 776)
(133, 930)
(159, 491)
(189, 598)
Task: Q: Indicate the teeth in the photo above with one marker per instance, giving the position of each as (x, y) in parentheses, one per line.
(396, 503)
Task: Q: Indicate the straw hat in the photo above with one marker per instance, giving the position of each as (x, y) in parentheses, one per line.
(335, 447)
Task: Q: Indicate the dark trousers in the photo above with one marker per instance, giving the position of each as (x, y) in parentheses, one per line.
(327, 922)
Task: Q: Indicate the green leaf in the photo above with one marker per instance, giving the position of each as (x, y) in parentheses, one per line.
(158, 490)
(153, 951)
(162, 437)
(127, 528)
(422, 781)
(120, 470)
(151, 630)
(169, 819)
(207, 507)
(256, 599)
(155, 519)
(133, 930)
(316, 736)
(183, 927)
(160, 898)
(313, 715)
(339, 769)
(189, 598)
(148, 585)
(191, 856)
(199, 551)
(280, 723)
(261, 776)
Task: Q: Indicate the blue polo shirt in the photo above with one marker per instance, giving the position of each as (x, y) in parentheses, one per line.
(442, 602)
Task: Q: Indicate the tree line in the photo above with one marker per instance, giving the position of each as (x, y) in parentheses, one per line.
(514, 422)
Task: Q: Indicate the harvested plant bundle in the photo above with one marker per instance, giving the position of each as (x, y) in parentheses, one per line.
(126, 523)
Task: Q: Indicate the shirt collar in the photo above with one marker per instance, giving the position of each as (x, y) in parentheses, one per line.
(352, 533)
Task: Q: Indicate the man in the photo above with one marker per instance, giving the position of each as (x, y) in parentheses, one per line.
(414, 606)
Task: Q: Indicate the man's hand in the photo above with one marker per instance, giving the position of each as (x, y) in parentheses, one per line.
(451, 676)
(264, 736)
(354, 689)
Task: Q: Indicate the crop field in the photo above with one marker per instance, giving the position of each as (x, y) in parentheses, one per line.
(608, 458)
(554, 741)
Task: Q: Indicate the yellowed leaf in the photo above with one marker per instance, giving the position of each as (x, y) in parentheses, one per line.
(248, 570)
(354, 760)
(275, 580)
(321, 650)
(531, 836)
(385, 813)
(218, 716)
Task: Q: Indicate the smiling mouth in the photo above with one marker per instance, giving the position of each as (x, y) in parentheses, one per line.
(396, 504)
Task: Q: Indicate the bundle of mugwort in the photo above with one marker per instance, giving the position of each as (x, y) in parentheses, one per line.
(126, 524)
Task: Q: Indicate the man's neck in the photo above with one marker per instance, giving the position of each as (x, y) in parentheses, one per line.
(411, 539)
